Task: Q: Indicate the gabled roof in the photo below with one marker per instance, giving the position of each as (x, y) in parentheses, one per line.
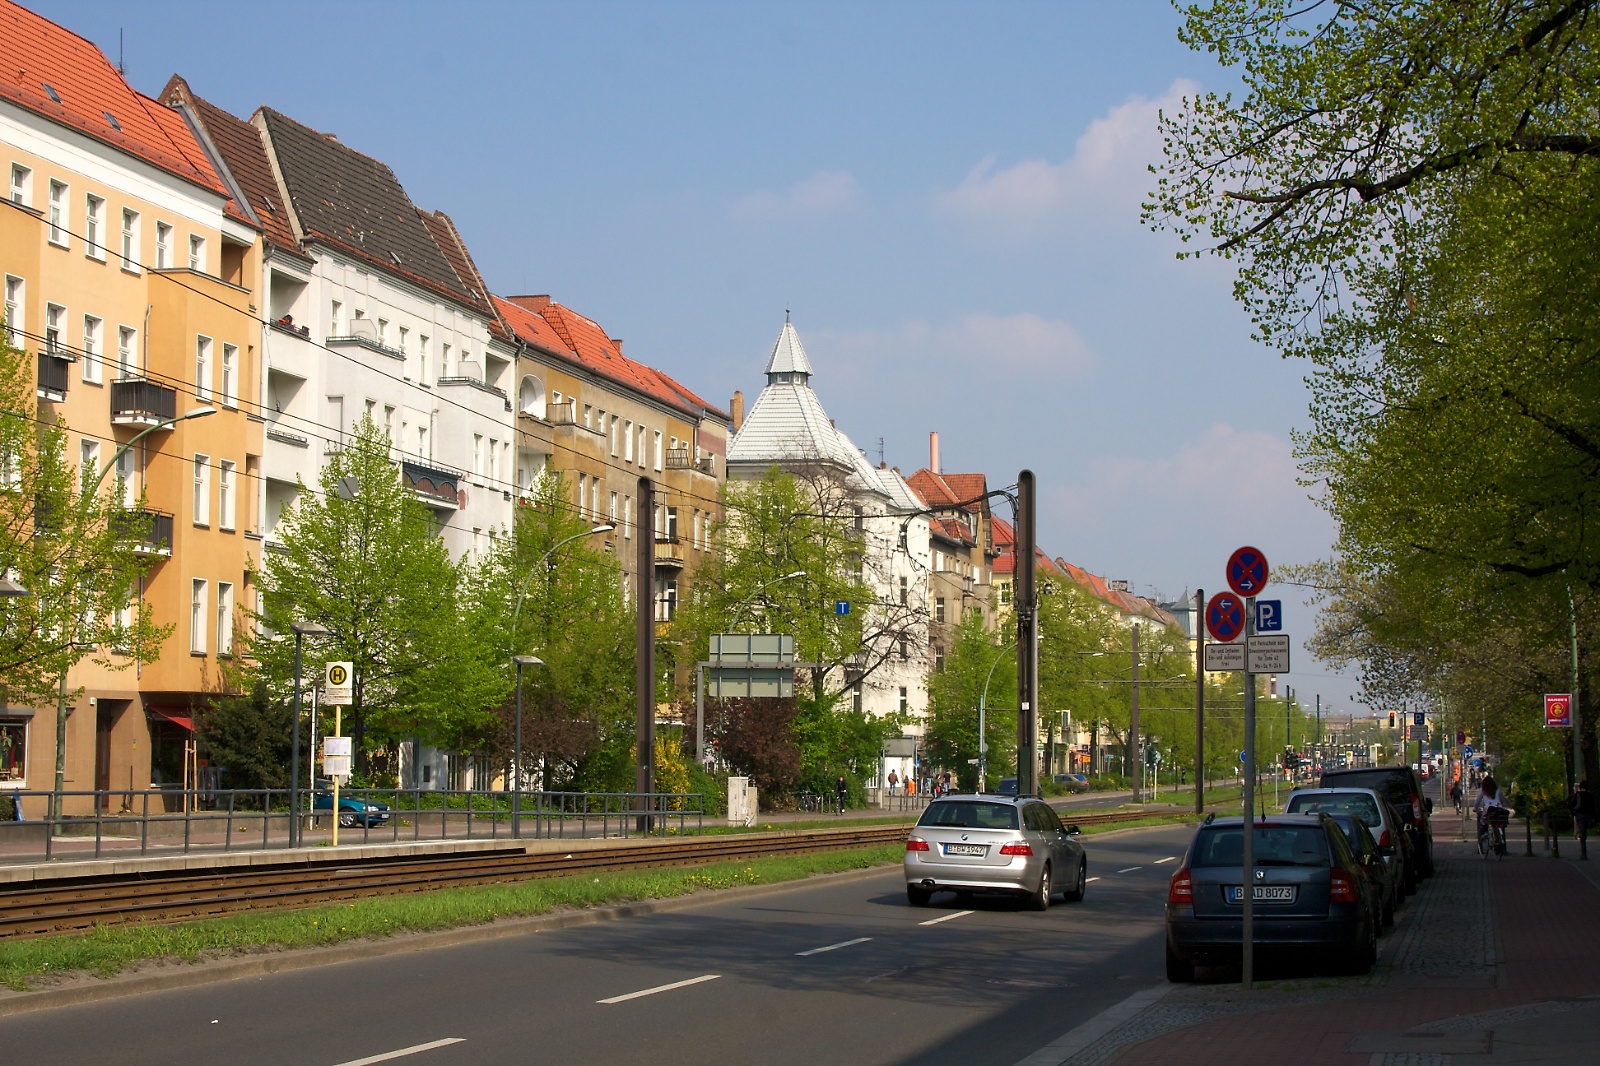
(245, 157)
(946, 491)
(354, 202)
(448, 239)
(95, 100)
(788, 355)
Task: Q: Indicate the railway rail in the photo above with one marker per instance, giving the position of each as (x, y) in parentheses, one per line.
(77, 904)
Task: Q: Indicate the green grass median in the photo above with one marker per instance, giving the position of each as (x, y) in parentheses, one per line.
(108, 950)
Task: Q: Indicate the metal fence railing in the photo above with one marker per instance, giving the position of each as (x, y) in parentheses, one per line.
(180, 821)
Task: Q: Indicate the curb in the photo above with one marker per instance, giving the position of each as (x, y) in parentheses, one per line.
(232, 969)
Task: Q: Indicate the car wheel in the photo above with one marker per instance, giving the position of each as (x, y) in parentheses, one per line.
(1180, 971)
(1040, 900)
(347, 819)
(918, 897)
(1075, 894)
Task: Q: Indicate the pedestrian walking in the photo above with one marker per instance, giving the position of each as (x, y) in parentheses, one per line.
(894, 779)
(944, 784)
(842, 788)
(1583, 812)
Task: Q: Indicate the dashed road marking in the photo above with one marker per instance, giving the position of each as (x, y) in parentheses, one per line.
(414, 1049)
(1091, 879)
(1130, 869)
(658, 988)
(1169, 858)
(945, 918)
(835, 947)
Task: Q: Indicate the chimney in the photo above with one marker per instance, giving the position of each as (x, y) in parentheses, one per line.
(530, 303)
(933, 451)
(618, 342)
(736, 408)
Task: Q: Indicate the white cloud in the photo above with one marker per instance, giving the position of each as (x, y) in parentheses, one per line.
(1104, 178)
(979, 342)
(827, 192)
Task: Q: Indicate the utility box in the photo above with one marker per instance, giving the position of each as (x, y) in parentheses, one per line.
(742, 806)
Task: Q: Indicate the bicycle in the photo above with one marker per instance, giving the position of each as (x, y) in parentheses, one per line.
(809, 802)
(1492, 832)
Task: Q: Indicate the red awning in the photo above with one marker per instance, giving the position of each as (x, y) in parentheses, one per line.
(173, 716)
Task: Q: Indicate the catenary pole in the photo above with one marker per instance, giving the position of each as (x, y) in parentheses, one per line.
(645, 646)
(1135, 750)
(1027, 637)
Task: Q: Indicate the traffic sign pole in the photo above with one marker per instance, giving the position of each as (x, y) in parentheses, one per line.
(1247, 827)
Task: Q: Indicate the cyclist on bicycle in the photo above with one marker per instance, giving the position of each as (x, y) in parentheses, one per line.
(1489, 799)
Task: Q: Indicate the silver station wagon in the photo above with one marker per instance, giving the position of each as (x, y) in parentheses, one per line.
(992, 843)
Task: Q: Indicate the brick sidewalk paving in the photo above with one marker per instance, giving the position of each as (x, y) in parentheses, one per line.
(1491, 964)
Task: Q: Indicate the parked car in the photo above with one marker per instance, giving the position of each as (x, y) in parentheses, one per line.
(1309, 890)
(1073, 782)
(966, 844)
(1007, 786)
(354, 810)
(1381, 876)
(1401, 786)
(1376, 813)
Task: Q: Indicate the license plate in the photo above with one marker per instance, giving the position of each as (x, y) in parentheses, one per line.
(980, 850)
(1263, 894)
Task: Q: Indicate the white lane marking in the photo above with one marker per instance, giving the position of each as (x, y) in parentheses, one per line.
(1096, 878)
(945, 918)
(661, 988)
(1130, 869)
(835, 947)
(1169, 858)
(414, 1049)
(1069, 1044)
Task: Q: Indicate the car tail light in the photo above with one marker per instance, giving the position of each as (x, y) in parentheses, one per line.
(1181, 890)
(1416, 808)
(1341, 887)
(916, 844)
(1385, 841)
(1015, 849)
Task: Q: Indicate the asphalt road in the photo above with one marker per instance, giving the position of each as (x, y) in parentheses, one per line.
(890, 984)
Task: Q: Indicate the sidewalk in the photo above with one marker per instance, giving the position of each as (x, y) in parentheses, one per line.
(1493, 962)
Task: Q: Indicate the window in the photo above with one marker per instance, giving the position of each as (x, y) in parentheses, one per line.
(21, 184)
(14, 751)
(230, 375)
(905, 651)
(127, 351)
(59, 223)
(477, 455)
(855, 697)
(672, 524)
(611, 510)
(905, 592)
(938, 609)
(202, 368)
(658, 449)
(91, 349)
(405, 335)
(88, 458)
(627, 517)
(93, 219)
(14, 311)
(611, 435)
(905, 704)
(197, 252)
(627, 443)
(202, 490)
(55, 319)
(588, 416)
(336, 420)
(383, 332)
(163, 245)
(422, 359)
(130, 239)
(225, 477)
(125, 477)
(333, 318)
(224, 618)
(1005, 593)
(388, 422)
(594, 498)
(422, 442)
(197, 617)
(583, 493)
(938, 660)
(444, 361)
(491, 469)
(642, 459)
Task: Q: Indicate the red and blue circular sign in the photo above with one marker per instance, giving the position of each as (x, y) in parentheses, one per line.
(1247, 571)
(1225, 616)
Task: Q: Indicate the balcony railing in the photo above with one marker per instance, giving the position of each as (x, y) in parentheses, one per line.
(286, 325)
(436, 487)
(371, 344)
(53, 377)
(706, 464)
(561, 414)
(149, 530)
(479, 384)
(679, 459)
(140, 402)
(670, 552)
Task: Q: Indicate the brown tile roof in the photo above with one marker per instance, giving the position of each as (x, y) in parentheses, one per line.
(449, 241)
(37, 52)
(239, 144)
(945, 491)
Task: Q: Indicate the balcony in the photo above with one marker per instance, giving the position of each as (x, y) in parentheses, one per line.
(433, 486)
(286, 325)
(53, 377)
(479, 384)
(138, 402)
(679, 459)
(671, 553)
(149, 530)
(561, 414)
(275, 431)
(707, 465)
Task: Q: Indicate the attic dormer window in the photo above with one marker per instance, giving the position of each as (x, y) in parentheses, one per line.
(395, 256)
(113, 120)
(50, 92)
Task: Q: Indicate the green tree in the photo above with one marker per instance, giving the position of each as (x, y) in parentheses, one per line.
(248, 737)
(953, 696)
(363, 559)
(66, 538)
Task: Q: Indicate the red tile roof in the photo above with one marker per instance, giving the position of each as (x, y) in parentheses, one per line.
(39, 52)
(945, 491)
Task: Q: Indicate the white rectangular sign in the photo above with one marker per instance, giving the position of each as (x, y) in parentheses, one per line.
(339, 684)
(1225, 657)
(1267, 654)
(337, 747)
(336, 765)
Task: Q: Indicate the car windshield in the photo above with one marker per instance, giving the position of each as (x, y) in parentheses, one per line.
(967, 814)
(1395, 787)
(1275, 845)
(1362, 807)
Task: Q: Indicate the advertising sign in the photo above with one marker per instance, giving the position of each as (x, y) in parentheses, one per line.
(1558, 710)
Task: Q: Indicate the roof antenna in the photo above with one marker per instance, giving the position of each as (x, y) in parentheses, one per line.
(786, 316)
(122, 68)
(880, 451)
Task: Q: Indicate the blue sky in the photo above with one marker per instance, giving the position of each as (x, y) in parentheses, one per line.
(946, 196)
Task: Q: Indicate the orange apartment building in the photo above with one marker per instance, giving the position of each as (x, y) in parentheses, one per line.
(130, 272)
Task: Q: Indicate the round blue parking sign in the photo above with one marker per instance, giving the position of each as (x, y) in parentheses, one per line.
(1247, 571)
(1225, 616)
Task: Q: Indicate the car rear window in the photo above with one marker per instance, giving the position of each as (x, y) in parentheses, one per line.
(1275, 845)
(1395, 787)
(969, 814)
(1363, 807)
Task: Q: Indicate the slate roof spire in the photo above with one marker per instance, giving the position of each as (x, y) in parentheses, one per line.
(788, 363)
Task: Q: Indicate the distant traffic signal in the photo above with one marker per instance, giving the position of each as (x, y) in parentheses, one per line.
(1391, 719)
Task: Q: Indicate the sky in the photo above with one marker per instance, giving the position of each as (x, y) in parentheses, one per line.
(944, 196)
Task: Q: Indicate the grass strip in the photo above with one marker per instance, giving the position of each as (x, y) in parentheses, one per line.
(109, 949)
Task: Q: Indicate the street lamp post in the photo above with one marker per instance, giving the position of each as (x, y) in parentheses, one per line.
(739, 609)
(536, 567)
(9, 589)
(301, 631)
(983, 699)
(516, 757)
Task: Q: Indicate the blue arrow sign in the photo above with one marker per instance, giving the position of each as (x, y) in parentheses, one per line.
(1269, 616)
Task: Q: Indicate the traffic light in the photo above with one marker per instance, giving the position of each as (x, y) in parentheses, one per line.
(1391, 719)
